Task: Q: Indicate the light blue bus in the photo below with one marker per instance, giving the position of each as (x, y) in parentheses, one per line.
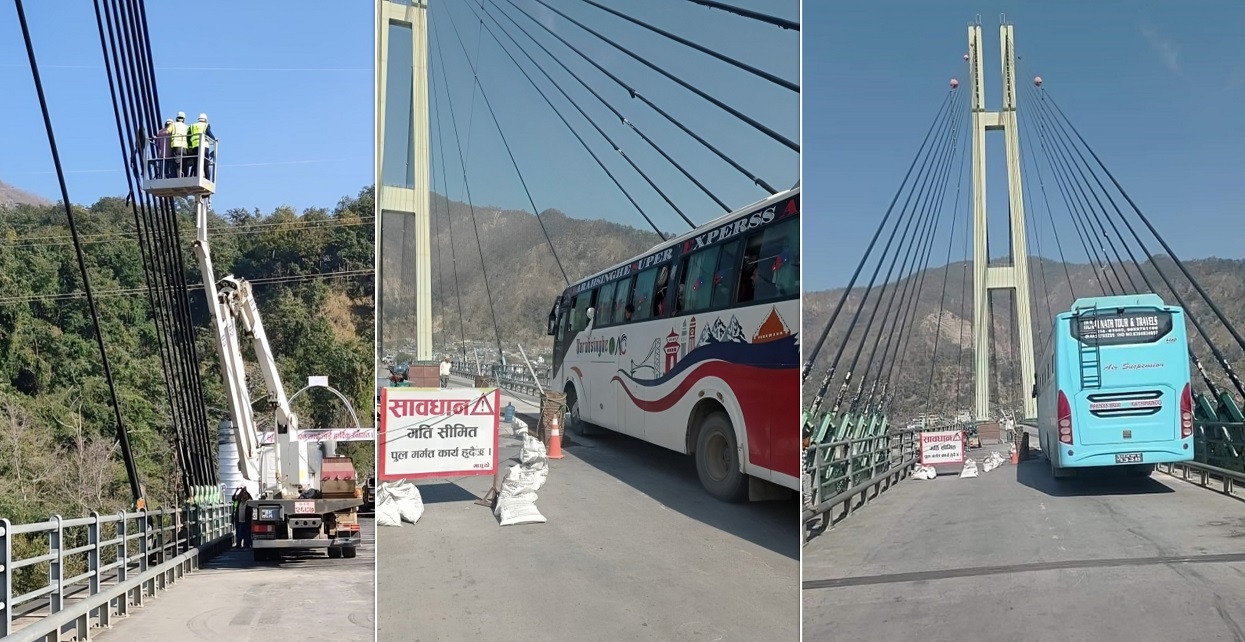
(1113, 386)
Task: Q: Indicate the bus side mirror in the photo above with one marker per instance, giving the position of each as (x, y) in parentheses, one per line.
(1034, 393)
(553, 321)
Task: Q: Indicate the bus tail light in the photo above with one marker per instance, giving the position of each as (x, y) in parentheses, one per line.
(1186, 412)
(1065, 419)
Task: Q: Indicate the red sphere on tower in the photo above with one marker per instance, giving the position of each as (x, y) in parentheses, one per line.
(1037, 81)
(966, 57)
(954, 83)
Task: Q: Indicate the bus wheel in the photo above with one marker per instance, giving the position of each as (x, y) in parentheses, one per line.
(1056, 471)
(349, 552)
(717, 459)
(574, 421)
(335, 552)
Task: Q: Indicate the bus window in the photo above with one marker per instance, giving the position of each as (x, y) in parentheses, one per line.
(659, 299)
(605, 305)
(748, 274)
(698, 282)
(581, 303)
(724, 278)
(621, 296)
(563, 319)
(642, 294)
(778, 272)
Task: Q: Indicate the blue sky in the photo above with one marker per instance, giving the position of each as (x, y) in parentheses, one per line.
(1150, 85)
(558, 171)
(262, 74)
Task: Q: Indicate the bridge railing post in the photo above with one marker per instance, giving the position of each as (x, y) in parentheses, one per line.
(56, 566)
(144, 551)
(123, 560)
(94, 536)
(6, 578)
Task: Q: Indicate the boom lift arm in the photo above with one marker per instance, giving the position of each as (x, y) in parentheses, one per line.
(233, 305)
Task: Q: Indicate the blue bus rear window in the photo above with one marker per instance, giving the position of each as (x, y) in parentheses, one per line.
(1121, 327)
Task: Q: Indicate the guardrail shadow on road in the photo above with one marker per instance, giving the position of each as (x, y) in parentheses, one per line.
(670, 478)
(1034, 472)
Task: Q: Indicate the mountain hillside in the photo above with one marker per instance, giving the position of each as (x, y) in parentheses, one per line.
(951, 333)
(523, 277)
(11, 196)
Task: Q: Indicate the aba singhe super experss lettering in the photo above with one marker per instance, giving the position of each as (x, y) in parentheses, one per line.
(438, 433)
(716, 235)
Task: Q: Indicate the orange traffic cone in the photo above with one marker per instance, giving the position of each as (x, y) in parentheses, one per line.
(555, 440)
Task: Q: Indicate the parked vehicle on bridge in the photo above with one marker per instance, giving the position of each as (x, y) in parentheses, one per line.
(296, 507)
(693, 346)
(1113, 386)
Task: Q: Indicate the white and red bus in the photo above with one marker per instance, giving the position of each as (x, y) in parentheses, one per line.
(694, 346)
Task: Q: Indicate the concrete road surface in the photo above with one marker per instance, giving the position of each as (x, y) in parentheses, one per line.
(1014, 556)
(633, 550)
(305, 597)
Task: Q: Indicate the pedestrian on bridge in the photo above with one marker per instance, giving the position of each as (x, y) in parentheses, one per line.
(445, 372)
(242, 517)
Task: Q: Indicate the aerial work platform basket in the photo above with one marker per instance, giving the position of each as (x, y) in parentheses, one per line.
(181, 171)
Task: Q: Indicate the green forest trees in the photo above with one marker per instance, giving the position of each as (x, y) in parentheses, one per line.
(313, 277)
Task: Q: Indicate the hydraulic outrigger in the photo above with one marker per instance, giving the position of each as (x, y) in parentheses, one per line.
(293, 509)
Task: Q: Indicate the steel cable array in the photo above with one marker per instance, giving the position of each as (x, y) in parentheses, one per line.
(501, 24)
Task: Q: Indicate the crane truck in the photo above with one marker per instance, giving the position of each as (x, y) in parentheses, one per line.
(295, 507)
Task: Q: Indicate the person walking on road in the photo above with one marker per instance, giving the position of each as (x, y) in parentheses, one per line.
(241, 517)
(445, 372)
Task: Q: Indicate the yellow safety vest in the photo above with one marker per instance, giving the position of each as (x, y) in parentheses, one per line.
(196, 130)
(179, 135)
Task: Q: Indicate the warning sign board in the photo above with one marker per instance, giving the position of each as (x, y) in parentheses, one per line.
(437, 432)
(942, 448)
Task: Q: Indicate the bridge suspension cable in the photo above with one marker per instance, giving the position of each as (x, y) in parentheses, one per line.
(467, 188)
(940, 120)
(1060, 155)
(755, 124)
(617, 114)
(635, 93)
(500, 132)
(600, 131)
(122, 432)
(126, 48)
(449, 218)
(781, 82)
(754, 15)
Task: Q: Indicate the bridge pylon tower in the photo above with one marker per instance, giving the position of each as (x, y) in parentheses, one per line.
(987, 278)
(403, 194)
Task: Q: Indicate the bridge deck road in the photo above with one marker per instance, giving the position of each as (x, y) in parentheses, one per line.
(305, 596)
(1014, 555)
(633, 550)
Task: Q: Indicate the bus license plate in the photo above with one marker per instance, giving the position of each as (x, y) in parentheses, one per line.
(1128, 458)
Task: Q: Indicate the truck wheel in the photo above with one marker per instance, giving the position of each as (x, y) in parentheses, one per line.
(335, 552)
(349, 552)
(717, 459)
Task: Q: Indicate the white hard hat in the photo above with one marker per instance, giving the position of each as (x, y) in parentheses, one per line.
(203, 117)
(168, 121)
(181, 114)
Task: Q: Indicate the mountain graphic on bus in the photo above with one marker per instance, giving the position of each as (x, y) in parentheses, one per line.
(773, 347)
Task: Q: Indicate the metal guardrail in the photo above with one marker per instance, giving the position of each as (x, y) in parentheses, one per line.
(844, 473)
(524, 386)
(64, 577)
(1205, 475)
